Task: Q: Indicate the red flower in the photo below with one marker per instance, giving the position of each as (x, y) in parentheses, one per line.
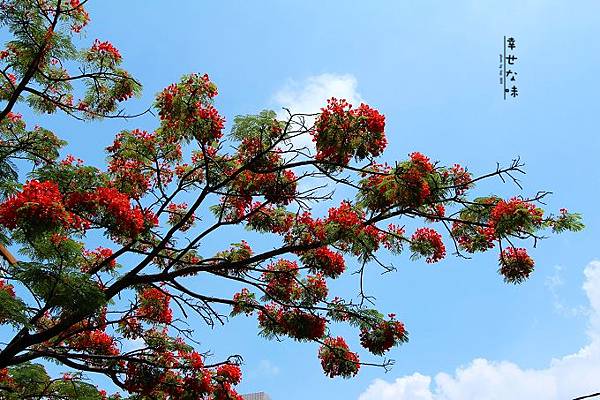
(345, 216)
(295, 323)
(95, 341)
(39, 205)
(301, 325)
(8, 288)
(114, 210)
(515, 265)
(194, 359)
(315, 289)
(428, 243)
(421, 162)
(186, 110)
(514, 215)
(5, 378)
(337, 359)
(394, 239)
(383, 337)
(15, 118)
(106, 49)
(244, 302)
(215, 123)
(231, 373)
(95, 257)
(461, 179)
(154, 306)
(474, 238)
(176, 214)
(325, 261)
(342, 133)
(403, 186)
(281, 280)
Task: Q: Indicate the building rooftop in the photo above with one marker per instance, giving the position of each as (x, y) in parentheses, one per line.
(256, 396)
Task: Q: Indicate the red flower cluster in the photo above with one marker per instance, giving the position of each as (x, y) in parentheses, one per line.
(154, 306)
(436, 211)
(306, 230)
(337, 359)
(315, 289)
(394, 240)
(16, 118)
(176, 214)
(231, 373)
(421, 162)
(373, 121)
(383, 337)
(301, 325)
(346, 226)
(244, 302)
(5, 378)
(39, 205)
(515, 265)
(194, 360)
(125, 220)
(95, 257)
(96, 342)
(7, 288)
(325, 261)
(514, 215)
(428, 243)
(130, 174)
(80, 15)
(187, 112)
(131, 328)
(255, 151)
(199, 382)
(214, 124)
(404, 186)
(342, 133)
(461, 179)
(277, 188)
(105, 49)
(295, 323)
(474, 238)
(415, 189)
(281, 280)
(345, 217)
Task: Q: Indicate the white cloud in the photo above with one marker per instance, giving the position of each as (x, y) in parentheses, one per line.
(267, 368)
(565, 378)
(264, 369)
(311, 94)
(308, 97)
(554, 283)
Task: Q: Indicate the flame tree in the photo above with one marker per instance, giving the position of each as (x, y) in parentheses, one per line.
(165, 194)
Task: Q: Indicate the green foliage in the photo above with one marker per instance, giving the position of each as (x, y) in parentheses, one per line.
(61, 288)
(12, 309)
(261, 126)
(31, 381)
(53, 247)
(71, 177)
(567, 222)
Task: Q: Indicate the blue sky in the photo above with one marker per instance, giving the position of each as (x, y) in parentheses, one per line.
(431, 67)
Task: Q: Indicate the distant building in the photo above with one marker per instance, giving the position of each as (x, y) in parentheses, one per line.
(256, 396)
